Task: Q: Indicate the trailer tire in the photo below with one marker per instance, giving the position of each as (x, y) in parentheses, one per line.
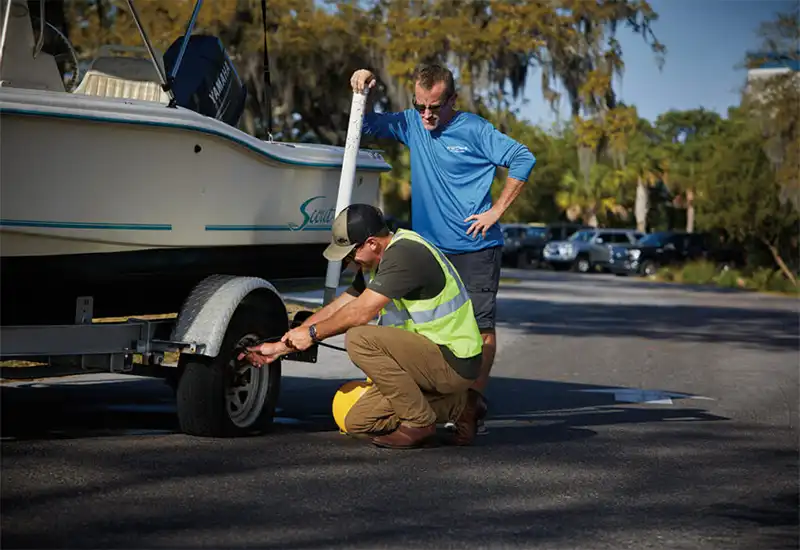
(207, 401)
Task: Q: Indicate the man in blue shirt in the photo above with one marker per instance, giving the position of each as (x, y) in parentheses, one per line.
(454, 156)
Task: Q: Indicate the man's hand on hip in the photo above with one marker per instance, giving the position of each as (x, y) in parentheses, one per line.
(482, 222)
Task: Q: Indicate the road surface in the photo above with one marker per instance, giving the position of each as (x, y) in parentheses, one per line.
(624, 414)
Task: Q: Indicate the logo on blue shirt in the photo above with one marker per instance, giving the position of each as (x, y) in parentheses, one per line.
(457, 148)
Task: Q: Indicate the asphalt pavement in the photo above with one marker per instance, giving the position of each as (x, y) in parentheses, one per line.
(624, 414)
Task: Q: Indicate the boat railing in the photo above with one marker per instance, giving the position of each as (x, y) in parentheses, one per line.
(39, 65)
(166, 80)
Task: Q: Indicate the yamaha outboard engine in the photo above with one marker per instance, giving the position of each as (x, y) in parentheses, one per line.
(207, 81)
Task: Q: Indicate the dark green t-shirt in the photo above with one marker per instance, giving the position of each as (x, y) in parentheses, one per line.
(409, 270)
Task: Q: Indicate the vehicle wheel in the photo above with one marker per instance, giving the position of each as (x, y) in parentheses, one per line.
(221, 397)
(582, 264)
(649, 268)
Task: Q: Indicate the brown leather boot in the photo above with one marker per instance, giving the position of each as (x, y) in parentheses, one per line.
(467, 424)
(406, 437)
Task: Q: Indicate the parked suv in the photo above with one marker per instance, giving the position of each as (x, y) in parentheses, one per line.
(588, 249)
(524, 243)
(670, 248)
(520, 243)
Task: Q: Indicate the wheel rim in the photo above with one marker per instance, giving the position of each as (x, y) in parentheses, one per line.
(649, 269)
(583, 266)
(246, 390)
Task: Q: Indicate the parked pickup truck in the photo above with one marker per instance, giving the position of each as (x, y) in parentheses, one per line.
(669, 248)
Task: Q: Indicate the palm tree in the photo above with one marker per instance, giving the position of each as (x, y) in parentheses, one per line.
(590, 198)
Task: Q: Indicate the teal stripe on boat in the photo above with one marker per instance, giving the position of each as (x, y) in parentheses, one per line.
(87, 225)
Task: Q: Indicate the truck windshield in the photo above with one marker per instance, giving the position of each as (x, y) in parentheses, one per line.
(654, 239)
(582, 236)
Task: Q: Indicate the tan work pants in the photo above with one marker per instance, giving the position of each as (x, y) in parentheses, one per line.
(413, 383)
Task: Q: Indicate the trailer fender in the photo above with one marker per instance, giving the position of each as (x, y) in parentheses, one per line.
(205, 314)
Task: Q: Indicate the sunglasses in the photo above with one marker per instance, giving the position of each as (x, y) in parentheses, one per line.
(433, 108)
(352, 255)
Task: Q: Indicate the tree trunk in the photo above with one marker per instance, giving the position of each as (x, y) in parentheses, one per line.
(641, 207)
(778, 260)
(690, 210)
(590, 217)
(248, 123)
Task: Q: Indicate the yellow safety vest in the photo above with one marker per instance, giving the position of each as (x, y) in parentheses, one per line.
(446, 319)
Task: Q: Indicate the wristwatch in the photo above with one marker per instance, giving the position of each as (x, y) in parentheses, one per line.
(312, 330)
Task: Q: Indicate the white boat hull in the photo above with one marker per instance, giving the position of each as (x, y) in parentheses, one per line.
(134, 203)
(77, 185)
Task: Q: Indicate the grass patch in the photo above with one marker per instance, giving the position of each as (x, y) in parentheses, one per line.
(20, 364)
(706, 273)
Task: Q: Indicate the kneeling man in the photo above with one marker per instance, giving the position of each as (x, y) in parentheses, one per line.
(425, 351)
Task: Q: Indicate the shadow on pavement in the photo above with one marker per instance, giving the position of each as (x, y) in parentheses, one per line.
(770, 329)
(147, 407)
(542, 476)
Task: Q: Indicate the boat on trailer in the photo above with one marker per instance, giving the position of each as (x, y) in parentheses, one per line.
(116, 188)
(130, 191)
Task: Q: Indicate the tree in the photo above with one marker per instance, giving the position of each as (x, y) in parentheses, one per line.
(774, 102)
(591, 199)
(739, 192)
(687, 135)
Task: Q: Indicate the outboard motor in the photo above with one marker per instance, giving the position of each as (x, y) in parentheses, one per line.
(207, 81)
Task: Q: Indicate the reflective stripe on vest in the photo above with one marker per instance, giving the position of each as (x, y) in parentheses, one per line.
(395, 316)
(447, 319)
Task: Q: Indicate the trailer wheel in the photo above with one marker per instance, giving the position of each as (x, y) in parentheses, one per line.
(222, 397)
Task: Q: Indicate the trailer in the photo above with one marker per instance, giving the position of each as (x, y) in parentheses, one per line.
(193, 211)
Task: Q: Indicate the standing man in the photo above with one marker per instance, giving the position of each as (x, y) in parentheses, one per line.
(454, 156)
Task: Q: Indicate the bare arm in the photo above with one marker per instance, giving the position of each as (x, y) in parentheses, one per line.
(357, 312)
(511, 191)
(482, 222)
(329, 310)
(338, 316)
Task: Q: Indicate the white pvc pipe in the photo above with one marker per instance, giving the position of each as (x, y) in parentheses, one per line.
(4, 32)
(346, 182)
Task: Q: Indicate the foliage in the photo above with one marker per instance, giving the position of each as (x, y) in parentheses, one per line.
(739, 191)
(705, 273)
(774, 103)
(700, 272)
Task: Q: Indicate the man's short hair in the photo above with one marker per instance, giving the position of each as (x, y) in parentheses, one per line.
(428, 74)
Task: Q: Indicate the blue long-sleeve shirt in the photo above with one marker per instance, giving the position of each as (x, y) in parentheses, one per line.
(452, 170)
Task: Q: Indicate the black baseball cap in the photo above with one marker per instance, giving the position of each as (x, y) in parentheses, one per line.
(351, 228)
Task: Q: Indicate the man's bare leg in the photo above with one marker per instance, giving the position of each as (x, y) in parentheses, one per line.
(487, 359)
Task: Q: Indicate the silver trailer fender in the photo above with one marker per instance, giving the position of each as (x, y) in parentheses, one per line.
(206, 313)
